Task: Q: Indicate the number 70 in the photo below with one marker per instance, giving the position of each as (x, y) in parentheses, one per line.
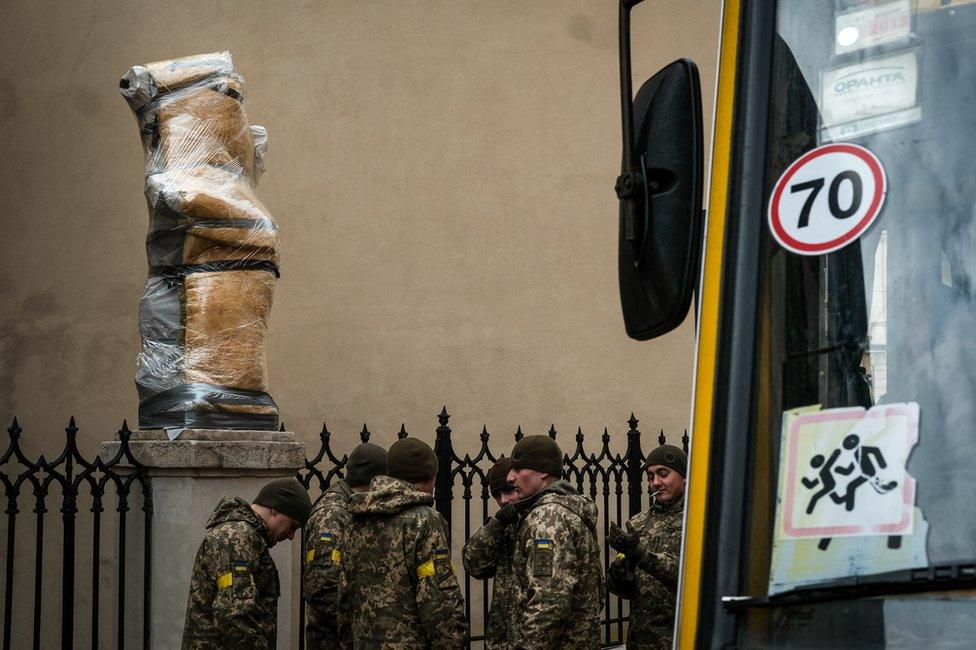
(833, 196)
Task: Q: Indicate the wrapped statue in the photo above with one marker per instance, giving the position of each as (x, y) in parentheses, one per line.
(212, 248)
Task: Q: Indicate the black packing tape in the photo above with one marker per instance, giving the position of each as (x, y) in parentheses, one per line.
(183, 270)
(170, 408)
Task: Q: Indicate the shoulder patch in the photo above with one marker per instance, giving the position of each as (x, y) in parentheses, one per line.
(442, 564)
(542, 558)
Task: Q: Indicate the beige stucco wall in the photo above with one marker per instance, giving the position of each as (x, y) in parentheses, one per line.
(443, 175)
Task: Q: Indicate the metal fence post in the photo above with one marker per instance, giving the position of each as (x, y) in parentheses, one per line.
(635, 462)
(69, 509)
(443, 485)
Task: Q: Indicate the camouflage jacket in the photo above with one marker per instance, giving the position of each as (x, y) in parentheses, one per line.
(397, 585)
(325, 527)
(488, 554)
(559, 586)
(234, 587)
(652, 583)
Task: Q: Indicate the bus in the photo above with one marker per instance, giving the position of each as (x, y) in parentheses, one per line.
(831, 263)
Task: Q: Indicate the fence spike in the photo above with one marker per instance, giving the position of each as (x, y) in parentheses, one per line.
(324, 434)
(605, 438)
(484, 433)
(71, 423)
(124, 432)
(364, 434)
(282, 427)
(552, 431)
(661, 438)
(632, 421)
(443, 417)
(402, 433)
(14, 428)
(579, 434)
(685, 440)
(518, 433)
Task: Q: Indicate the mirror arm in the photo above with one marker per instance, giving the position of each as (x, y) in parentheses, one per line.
(630, 183)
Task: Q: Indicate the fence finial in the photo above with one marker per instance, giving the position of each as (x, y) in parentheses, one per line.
(552, 431)
(402, 433)
(282, 426)
(484, 433)
(364, 434)
(518, 433)
(661, 438)
(443, 417)
(635, 466)
(324, 434)
(14, 429)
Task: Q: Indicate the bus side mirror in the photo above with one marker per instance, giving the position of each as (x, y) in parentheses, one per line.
(660, 193)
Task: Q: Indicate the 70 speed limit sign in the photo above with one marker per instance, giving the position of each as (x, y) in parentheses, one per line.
(827, 198)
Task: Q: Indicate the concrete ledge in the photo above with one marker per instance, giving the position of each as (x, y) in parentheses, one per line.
(214, 434)
(215, 452)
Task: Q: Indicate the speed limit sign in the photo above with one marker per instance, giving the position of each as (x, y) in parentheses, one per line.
(827, 198)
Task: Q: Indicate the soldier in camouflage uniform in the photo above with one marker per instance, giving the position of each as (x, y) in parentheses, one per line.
(646, 568)
(397, 586)
(323, 534)
(489, 553)
(234, 589)
(559, 584)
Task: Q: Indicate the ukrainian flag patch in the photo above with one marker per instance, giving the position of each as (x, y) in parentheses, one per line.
(542, 559)
(240, 565)
(325, 537)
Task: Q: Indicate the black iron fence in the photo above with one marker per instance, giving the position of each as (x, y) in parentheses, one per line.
(601, 474)
(71, 481)
(75, 485)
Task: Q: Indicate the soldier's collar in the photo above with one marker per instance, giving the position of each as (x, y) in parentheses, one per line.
(670, 506)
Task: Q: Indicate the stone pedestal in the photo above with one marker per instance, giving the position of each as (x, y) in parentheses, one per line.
(188, 476)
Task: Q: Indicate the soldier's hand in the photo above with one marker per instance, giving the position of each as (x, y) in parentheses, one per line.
(507, 515)
(619, 540)
(618, 570)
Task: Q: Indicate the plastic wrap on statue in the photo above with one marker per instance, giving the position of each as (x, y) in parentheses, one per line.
(212, 249)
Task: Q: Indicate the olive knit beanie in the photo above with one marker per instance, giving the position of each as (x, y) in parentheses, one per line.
(540, 453)
(366, 461)
(498, 476)
(411, 460)
(287, 496)
(669, 456)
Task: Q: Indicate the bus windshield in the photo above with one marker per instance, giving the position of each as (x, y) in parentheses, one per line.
(865, 423)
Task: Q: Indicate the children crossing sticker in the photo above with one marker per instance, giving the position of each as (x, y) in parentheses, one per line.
(827, 198)
(843, 472)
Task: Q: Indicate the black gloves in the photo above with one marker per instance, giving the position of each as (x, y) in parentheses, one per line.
(507, 515)
(627, 542)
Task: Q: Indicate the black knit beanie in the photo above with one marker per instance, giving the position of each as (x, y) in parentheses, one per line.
(287, 496)
(540, 453)
(498, 476)
(669, 456)
(366, 461)
(411, 460)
